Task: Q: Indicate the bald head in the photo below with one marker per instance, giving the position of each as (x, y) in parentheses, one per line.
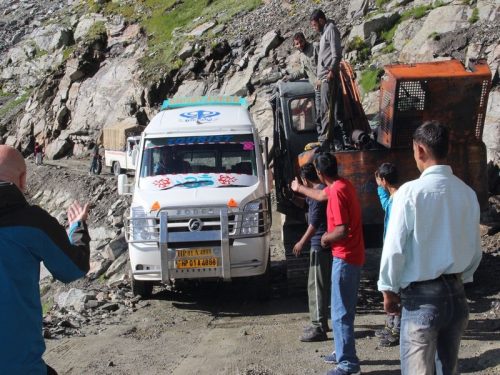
(12, 167)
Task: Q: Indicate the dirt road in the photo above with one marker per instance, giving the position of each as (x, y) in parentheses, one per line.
(220, 329)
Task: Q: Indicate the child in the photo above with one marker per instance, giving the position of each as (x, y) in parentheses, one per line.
(386, 177)
(318, 287)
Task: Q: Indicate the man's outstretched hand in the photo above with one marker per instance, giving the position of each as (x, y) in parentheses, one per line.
(77, 213)
(295, 185)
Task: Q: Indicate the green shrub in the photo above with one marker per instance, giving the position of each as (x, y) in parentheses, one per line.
(388, 35)
(68, 51)
(46, 307)
(11, 104)
(96, 32)
(389, 48)
(381, 3)
(475, 16)
(363, 48)
(370, 79)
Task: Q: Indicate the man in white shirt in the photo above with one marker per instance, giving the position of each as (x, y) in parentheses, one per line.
(431, 247)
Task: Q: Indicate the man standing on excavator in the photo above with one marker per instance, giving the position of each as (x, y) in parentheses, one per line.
(331, 133)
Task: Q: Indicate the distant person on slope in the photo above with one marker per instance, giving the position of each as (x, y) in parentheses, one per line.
(28, 236)
(38, 153)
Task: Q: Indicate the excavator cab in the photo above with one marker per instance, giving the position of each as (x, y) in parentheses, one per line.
(410, 95)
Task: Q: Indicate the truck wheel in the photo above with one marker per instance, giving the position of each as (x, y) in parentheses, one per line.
(116, 168)
(141, 288)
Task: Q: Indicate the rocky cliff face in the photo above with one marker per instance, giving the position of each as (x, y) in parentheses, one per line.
(65, 72)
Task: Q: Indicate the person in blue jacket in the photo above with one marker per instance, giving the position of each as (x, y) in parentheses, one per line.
(28, 236)
(386, 177)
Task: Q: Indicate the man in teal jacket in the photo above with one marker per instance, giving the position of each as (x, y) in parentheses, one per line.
(28, 236)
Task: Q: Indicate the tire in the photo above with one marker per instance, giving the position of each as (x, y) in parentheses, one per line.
(141, 288)
(116, 169)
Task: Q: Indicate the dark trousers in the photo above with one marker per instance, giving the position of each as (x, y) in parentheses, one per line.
(435, 314)
(51, 371)
(330, 127)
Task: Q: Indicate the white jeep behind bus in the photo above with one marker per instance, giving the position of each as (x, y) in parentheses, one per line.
(201, 203)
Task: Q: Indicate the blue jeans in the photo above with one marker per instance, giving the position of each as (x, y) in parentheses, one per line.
(345, 285)
(434, 317)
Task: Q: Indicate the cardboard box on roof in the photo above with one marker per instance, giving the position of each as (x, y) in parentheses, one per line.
(114, 137)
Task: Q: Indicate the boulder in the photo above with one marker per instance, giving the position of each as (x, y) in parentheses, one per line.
(58, 148)
(51, 37)
(202, 29)
(85, 23)
(105, 98)
(489, 10)
(357, 8)
(269, 41)
(493, 52)
(262, 114)
(191, 88)
(405, 32)
(73, 298)
(440, 20)
(238, 83)
(491, 132)
(98, 267)
(117, 265)
(116, 247)
(375, 24)
(62, 117)
(186, 51)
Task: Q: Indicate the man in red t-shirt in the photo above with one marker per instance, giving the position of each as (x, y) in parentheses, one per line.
(345, 237)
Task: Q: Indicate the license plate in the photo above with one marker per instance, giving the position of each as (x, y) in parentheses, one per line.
(184, 253)
(197, 263)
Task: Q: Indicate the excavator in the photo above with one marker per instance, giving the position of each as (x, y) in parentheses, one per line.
(410, 94)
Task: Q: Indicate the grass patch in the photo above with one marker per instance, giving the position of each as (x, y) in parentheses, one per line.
(102, 279)
(474, 16)
(40, 53)
(96, 33)
(3, 94)
(363, 48)
(421, 10)
(10, 105)
(68, 51)
(388, 35)
(381, 3)
(47, 306)
(166, 18)
(389, 48)
(370, 79)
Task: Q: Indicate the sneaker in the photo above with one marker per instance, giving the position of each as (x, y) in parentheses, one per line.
(330, 358)
(392, 339)
(339, 371)
(314, 334)
(383, 332)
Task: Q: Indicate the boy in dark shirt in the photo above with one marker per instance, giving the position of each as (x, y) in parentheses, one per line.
(320, 261)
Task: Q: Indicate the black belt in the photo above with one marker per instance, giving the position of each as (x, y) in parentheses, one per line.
(443, 277)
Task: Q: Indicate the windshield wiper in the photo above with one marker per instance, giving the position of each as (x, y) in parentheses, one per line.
(231, 185)
(187, 183)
